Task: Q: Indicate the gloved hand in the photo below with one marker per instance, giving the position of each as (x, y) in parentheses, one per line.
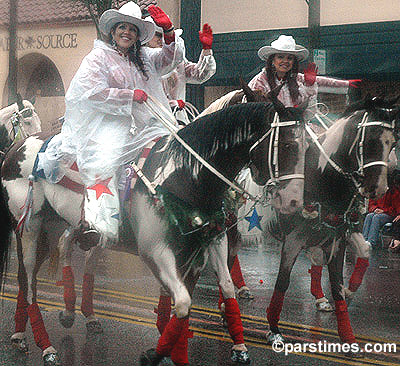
(310, 74)
(160, 18)
(206, 37)
(139, 95)
(354, 83)
(181, 104)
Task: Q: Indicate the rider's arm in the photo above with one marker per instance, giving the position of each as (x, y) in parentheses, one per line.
(204, 69)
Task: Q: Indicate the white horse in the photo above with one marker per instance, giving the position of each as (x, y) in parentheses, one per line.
(18, 121)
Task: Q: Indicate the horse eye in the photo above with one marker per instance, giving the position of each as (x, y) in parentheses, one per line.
(27, 113)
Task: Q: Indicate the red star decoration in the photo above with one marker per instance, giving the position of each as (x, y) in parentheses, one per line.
(101, 187)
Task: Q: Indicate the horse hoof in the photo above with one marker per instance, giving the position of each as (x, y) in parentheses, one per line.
(20, 344)
(323, 305)
(94, 327)
(348, 295)
(150, 358)
(66, 320)
(352, 354)
(51, 359)
(274, 337)
(241, 357)
(244, 293)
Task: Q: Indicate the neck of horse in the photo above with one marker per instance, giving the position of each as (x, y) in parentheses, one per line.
(228, 135)
(323, 183)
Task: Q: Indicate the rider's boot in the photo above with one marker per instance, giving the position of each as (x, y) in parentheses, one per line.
(101, 214)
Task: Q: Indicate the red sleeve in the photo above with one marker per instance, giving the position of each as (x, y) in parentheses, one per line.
(374, 204)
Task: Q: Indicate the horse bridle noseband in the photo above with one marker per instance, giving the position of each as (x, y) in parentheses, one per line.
(273, 153)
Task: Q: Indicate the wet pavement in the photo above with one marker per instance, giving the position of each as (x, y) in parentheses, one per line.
(126, 294)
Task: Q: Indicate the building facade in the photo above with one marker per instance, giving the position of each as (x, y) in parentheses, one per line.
(357, 39)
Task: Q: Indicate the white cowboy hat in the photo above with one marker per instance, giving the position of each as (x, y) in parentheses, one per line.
(284, 44)
(129, 13)
(157, 28)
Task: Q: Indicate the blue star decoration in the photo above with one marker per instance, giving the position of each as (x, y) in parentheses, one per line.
(254, 220)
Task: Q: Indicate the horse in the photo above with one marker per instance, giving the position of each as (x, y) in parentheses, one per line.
(18, 121)
(350, 158)
(228, 140)
(163, 310)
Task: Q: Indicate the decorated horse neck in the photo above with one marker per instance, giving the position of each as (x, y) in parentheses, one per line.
(221, 141)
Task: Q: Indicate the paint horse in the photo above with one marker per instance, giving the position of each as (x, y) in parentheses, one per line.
(350, 158)
(175, 230)
(18, 121)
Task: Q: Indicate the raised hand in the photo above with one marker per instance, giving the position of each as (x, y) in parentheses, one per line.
(139, 95)
(160, 18)
(310, 74)
(206, 37)
(354, 83)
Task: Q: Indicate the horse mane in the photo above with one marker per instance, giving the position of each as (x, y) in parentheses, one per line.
(370, 104)
(220, 103)
(219, 131)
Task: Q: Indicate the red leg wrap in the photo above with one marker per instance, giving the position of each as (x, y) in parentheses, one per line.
(179, 354)
(232, 315)
(236, 274)
(69, 288)
(21, 314)
(39, 331)
(316, 274)
(171, 335)
(275, 308)
(344, 328)
(87, 295)
(163, 312)
(358, 274)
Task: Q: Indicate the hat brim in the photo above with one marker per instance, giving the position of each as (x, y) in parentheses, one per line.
(111, 17)
(299, 52)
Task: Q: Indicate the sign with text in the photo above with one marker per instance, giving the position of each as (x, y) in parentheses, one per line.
(42, 42)
(319, 57)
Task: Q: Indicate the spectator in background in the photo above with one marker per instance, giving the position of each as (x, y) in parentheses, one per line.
(383, 210)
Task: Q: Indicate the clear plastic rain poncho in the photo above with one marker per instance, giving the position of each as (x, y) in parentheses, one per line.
(104, 128)
(188, 72)
(325, 84)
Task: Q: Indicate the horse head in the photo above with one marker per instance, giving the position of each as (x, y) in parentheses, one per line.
(18, 120)
(370, 129)
(285, 146)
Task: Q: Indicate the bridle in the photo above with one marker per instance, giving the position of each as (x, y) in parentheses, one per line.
(16, 121)
(273, 153)
(356, 176)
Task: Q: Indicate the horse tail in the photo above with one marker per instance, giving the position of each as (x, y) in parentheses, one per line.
(5, 235)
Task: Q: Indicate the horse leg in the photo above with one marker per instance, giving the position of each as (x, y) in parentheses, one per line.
(336, 279)
(218, 253)
(32, 259)
(362, 251)
(179, 353)
(18, 339)
(317, 258)
(163, 310)
(161, 261)
(290, 251)
(66, 243)
(92, 323)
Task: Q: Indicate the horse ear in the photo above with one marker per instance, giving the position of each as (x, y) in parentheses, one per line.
(273, 96)
(19, 102)
(250, 94)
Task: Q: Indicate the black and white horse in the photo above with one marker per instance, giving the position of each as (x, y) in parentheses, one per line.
(177, 229)
(350, 158)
